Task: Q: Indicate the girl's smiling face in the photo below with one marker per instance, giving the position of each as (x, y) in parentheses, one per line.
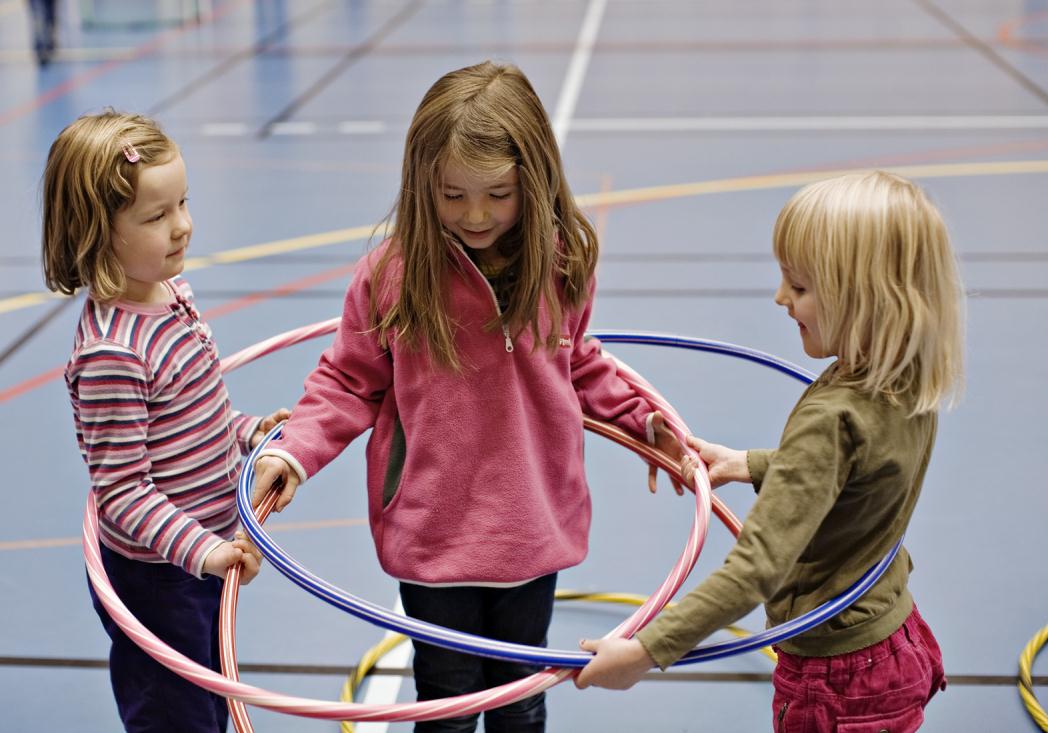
(478, 210)
(796, 295)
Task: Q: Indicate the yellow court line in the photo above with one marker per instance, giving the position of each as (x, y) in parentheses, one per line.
(28, 299)
(602, 198)
(784, 180)
(280, 246)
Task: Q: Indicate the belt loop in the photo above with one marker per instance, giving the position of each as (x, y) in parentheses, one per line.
(910, 634)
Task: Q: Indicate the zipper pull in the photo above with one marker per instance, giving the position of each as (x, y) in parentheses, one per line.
(509, 341)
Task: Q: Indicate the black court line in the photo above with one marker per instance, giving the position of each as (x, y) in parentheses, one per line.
(347, 60)
(987, 51)
(34, 328)
(972, 680)
(259, 47)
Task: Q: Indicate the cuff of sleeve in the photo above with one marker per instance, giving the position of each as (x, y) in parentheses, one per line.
(198, 569)
(655, 650)
(289, 459)
(757, 464)
(246, 426)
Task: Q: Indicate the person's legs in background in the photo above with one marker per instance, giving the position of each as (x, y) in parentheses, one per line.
(43, 14)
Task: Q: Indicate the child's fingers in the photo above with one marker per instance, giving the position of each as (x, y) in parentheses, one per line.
(287, 493)
(249, 568)
(269, 475)
(652, 474)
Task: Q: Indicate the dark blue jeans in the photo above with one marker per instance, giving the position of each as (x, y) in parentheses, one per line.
(520, 614)
(183, 612)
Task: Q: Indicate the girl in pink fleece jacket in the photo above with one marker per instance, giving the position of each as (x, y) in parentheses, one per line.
(462, 346)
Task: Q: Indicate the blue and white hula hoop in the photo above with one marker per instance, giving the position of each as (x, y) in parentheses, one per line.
(472, 644)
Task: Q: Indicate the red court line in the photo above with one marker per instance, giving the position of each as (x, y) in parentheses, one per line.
(211, 314)
(51, 542)
(88, 76)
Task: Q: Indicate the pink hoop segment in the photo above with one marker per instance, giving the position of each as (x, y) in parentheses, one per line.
(239, 693)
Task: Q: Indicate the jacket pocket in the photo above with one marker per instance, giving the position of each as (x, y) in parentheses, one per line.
(398, 450)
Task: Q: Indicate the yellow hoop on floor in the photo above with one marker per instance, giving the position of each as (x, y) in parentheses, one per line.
(374, 654)
(1026, 678)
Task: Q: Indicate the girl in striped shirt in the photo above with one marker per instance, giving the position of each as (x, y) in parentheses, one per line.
(153, 418)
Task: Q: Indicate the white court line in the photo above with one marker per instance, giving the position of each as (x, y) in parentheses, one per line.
(569, 92)
(361, 127)
(224, 129)
(824, 123)
(294, 128)
(384, 689)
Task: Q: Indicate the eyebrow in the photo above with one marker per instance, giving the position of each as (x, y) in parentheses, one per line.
(457, 187)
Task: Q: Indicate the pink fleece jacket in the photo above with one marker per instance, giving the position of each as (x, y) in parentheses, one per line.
(474, 477)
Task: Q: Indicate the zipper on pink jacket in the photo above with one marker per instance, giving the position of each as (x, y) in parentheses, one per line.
(494, 299)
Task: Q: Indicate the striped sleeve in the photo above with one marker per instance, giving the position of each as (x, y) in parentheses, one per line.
(110, 386)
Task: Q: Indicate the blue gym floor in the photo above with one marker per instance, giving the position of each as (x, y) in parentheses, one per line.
(685, 125)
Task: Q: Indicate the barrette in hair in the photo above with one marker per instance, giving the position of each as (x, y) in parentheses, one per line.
(130, 153)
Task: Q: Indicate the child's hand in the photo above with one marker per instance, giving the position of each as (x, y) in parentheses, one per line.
(251, 558)
(725, 464)
(268, 423)
(618, 664)
(274, 473)
(667, 442)
(228, 554)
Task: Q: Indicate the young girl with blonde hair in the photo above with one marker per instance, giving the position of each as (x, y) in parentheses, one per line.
(153, 419)
(462, 346)
(869, 277)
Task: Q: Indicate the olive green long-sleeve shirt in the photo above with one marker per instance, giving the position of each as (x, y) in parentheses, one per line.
(832, 500)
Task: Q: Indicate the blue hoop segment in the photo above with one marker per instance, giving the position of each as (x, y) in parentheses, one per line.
(472, 644)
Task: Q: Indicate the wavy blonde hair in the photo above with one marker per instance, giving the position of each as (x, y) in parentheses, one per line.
(888, 294)
(488, 119)
(87, 180)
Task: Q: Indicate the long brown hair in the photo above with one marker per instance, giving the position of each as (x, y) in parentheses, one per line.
(87, 179)
(486, 118)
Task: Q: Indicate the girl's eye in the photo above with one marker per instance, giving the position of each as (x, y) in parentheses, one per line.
(500, 196)
(184, 201)
(158, 217)
(452, 196)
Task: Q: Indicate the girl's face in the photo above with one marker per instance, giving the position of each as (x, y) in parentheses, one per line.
(478, 209)
(150, 237)
(796, 295)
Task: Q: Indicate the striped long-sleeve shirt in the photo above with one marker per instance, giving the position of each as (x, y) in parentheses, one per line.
(155, 426)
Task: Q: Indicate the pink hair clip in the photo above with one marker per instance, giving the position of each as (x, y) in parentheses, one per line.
(130, 153)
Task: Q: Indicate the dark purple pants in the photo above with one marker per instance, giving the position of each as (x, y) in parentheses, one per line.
(883, 687)
(520, 614)
(183, 612)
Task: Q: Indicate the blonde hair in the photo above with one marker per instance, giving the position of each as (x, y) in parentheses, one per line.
(488, 119)
(87, 180)
(888, 294)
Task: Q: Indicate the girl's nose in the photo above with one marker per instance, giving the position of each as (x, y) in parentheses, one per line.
(476, 215)
(183, 225)
(780, 295)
